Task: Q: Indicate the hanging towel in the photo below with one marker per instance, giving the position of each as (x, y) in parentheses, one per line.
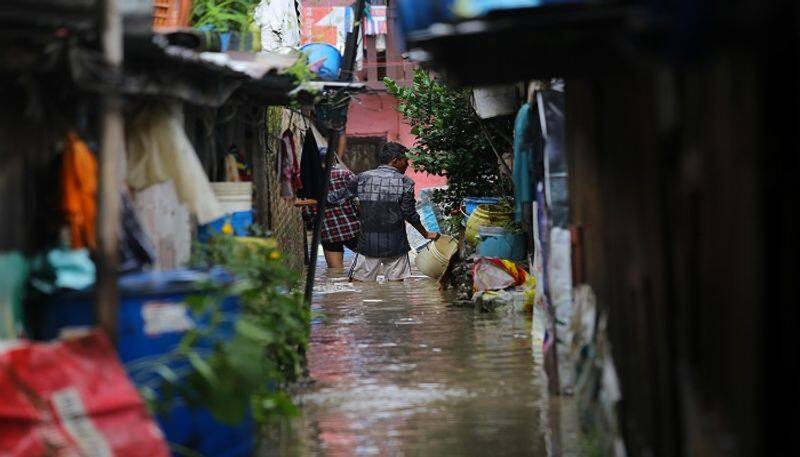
(158, 150)
(78, 182)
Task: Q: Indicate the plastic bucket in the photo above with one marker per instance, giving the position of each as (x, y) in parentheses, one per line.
(234, 197)
(324, 59)
(433, 257)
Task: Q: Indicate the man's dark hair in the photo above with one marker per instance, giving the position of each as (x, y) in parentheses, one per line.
(391, 151)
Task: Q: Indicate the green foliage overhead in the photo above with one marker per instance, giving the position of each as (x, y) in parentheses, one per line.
(450, 140)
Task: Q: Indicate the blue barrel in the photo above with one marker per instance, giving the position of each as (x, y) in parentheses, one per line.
(500, 243)
(323, 59)
(153, 318)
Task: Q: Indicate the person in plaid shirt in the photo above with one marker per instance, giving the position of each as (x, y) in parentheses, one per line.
(340, 226)
(386, 199)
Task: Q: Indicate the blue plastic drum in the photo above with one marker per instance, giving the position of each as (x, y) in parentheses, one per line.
(323, 59)
(153, 319)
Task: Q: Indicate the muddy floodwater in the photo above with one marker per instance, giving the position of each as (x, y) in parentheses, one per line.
(397, 371)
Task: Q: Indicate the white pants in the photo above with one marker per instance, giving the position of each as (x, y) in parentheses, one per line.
(394, 268)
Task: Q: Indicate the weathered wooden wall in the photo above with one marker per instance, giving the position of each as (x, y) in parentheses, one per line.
(669, 193)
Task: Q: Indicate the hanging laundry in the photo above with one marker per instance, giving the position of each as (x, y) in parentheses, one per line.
(231, 168)
(299, 125)
(289, 166)
(280, 26)
(375, 20)
(245, 172)
(78, 183)
(311, 169)
(158, 150)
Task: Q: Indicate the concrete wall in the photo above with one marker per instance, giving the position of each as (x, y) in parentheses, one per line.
(375, 115)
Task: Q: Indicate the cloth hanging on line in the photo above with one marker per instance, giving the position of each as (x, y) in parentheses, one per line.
(280, 26)
(78, 183)
(158, 150)
(311, 169)
(289, 168)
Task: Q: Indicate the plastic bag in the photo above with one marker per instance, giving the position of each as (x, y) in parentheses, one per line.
(490, 273)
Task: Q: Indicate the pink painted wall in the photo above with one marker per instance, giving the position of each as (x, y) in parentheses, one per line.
(375, 114)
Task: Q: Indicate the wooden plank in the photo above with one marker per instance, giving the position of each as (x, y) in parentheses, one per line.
(112, 154)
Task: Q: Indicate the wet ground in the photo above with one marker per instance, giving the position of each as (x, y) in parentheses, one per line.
(397, 371)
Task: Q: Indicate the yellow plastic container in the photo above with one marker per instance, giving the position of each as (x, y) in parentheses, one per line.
(486, 216)
(433, 258)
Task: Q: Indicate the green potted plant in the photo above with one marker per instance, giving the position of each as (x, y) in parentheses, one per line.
(232, 19)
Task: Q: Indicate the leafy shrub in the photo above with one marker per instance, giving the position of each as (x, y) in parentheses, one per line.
(270, 336)
(451, 141)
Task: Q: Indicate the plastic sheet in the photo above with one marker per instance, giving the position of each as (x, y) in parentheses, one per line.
(158, 150)
(560, 280)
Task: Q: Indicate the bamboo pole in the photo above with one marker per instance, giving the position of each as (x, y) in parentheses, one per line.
(346, 74)
(112, 150)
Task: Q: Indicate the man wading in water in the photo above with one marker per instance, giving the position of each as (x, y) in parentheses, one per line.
(386, 198)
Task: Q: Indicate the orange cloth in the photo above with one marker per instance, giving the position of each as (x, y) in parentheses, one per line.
(78, 182)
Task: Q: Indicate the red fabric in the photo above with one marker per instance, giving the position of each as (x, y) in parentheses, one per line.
(340, 222)
(72, 398)
(291, 168)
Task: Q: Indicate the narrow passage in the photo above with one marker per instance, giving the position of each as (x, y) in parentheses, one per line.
(397, 371)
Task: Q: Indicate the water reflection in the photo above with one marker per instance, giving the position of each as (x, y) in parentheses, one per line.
(399, 372)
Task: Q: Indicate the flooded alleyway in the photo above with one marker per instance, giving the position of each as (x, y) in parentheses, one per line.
(397, 371)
